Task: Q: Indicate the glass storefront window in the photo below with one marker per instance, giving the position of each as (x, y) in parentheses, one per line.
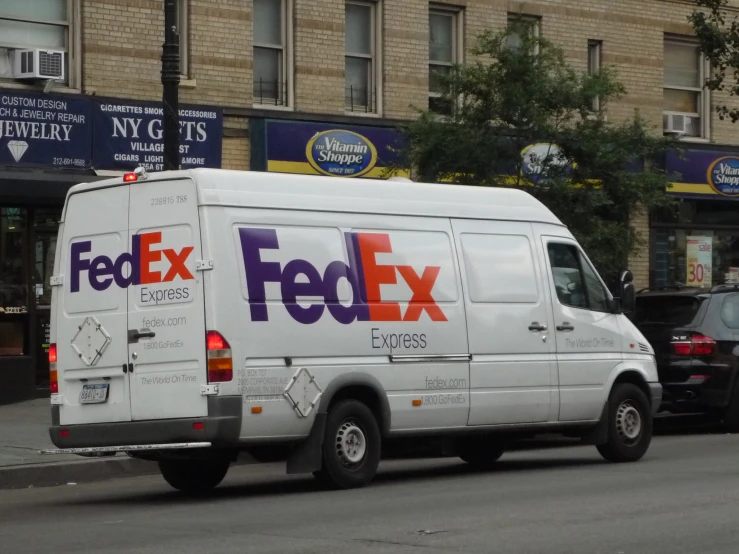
(13, 282)
(45, 229)
(698, 245)
(696, 257)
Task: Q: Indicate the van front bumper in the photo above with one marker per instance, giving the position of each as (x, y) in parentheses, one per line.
(221, 427)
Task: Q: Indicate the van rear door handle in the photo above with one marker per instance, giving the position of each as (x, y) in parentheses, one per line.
(566, 326)
(536, 326)
(134, 335)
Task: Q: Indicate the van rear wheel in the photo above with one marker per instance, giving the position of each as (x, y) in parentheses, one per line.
(629, 425)
(351, 446)
(193, 476)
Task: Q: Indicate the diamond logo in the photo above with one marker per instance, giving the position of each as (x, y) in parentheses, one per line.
(17, 148)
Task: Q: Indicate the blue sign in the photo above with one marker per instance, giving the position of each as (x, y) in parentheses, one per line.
(39, 130)
(129, 135)
(341, 153)
(723, 175)
(337, 150)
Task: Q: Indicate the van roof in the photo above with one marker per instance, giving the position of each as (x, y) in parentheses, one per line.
(256, 189)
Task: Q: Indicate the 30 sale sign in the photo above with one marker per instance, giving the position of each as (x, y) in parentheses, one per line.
(699, 260)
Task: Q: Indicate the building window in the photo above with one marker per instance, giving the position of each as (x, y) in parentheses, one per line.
(183, 9)
(595, 49)
(444, 52)
(361, 56)
(519, 24)
(270, 52)
(41, 24)
(686, 102)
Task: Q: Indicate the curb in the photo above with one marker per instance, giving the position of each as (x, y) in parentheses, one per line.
(83, 471)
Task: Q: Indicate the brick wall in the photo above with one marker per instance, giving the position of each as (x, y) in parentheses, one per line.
(236, 153)
(319, 56)
(122, 48)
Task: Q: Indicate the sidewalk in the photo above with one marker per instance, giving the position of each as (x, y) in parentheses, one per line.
(24, 431)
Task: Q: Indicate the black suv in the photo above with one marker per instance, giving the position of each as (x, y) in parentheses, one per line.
(695, 336)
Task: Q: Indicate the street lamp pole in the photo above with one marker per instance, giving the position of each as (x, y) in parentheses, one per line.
(170, 86)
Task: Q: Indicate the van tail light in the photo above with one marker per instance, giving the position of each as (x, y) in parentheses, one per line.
(53, 376)
(698, 345)
(220, 362)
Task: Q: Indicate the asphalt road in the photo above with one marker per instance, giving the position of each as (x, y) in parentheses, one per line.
(683, 497)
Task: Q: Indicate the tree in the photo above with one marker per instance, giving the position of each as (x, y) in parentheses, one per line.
(587, 170)
(719, 42)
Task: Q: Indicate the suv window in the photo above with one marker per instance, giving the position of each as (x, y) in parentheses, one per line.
(576, 282)
(668, 310)
(730, 311)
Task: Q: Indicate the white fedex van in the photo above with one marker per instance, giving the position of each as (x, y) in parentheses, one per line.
(199, 313)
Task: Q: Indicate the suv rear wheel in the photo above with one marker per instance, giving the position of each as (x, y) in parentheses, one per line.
(731, 415)
(629, 424)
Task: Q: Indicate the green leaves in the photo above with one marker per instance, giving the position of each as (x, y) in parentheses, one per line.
(719, 41)
(517, 92)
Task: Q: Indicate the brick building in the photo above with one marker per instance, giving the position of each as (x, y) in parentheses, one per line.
(262, 78)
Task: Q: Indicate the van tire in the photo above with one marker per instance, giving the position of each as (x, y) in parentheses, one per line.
(482, 454)
(351, 446)
(629, 425)
(193, 476)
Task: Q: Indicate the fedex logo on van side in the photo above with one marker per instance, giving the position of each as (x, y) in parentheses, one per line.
(102, 271)
(363, 273)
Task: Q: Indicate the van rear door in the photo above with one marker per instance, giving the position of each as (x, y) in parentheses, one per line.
(91, 315)
(166, 317)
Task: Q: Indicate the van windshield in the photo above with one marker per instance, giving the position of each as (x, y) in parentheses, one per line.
(673, 311)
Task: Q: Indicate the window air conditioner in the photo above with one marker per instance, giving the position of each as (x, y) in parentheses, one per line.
(677, 123)
(38, 64)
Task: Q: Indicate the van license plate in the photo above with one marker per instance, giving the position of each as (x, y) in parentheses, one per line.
(94, 394)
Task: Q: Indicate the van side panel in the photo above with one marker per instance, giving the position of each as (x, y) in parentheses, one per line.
(339, 294)
(513, 371)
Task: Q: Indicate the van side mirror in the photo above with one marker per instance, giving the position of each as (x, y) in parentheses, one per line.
(628, 293)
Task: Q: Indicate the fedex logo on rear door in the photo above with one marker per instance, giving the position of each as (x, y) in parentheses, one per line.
(133, 268)
(300, 278)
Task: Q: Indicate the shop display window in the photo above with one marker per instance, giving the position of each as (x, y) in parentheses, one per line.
(13, 282)
(699, 246)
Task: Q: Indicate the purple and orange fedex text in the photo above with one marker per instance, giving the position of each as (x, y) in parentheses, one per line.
(363, 273)
(102, 271)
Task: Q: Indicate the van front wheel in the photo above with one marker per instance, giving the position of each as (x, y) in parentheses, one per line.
(629, 425)
(351, 446)
(193, 476)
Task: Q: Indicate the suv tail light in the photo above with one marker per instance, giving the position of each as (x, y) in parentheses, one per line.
(53, 376)
(698, 345)
(220, 363)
